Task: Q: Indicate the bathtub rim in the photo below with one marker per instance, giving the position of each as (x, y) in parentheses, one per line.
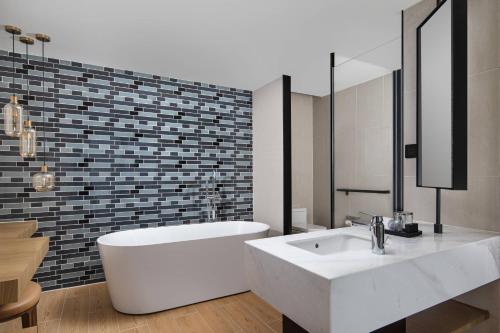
(101, 239)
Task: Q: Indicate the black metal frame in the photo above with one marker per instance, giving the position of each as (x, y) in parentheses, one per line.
(398, 145)
(287, 150)
(438, 227)
(459, 95)
(398, 148)
(287, 155)
(332, 140)
(398, 142)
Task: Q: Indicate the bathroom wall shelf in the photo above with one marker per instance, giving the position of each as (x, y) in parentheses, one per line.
(353, 190)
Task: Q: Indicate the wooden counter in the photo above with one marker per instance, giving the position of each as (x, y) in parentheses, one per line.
(19, 260)
(21, 229)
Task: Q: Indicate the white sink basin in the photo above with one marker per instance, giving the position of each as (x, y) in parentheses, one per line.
(333, 244)
(331, 282)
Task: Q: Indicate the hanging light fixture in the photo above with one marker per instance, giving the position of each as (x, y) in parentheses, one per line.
(13, 112)
(27, 140)
(44, 180)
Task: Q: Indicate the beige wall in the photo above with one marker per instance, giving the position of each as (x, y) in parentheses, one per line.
(267, 130)
(302, 154)
(311, 157)
(363, 148)
(322, 160)
(479, 206)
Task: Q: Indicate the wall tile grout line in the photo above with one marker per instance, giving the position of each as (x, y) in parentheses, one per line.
(130, 150)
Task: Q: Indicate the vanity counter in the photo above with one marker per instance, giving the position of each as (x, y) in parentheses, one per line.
(357, 291)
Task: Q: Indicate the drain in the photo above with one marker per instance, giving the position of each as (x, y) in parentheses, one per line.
(317, 245)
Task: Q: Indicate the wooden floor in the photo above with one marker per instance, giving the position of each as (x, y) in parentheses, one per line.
(88, 309)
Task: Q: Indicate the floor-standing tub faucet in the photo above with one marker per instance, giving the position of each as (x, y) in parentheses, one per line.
(213, 198)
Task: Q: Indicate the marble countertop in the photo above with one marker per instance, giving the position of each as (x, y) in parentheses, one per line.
(357, 291)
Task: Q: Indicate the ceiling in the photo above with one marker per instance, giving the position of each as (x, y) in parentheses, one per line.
(236, 43)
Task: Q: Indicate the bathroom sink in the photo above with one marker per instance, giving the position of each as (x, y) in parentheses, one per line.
(323, 280)
(333, 244)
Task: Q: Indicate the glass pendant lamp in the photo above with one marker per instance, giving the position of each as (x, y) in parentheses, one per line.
(13, 112)
(44, 180)
(27, 140)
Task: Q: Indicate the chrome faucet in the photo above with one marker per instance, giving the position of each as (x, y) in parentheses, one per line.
(213, 198)
(377, 232)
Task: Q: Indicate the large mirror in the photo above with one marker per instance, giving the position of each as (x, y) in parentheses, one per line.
(366, 95)
(346, 161)
(442, 97)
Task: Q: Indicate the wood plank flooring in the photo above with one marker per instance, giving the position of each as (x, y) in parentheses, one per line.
(88, 309)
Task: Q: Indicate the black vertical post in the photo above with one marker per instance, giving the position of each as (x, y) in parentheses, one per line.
(397, 144)
(401, 118)
(438, 227)
(332, 140)
(287, 155)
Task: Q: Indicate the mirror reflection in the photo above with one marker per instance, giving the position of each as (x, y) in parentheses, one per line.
(363, 133)
(311, 160)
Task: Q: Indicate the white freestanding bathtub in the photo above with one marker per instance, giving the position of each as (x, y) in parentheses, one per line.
(154, 269)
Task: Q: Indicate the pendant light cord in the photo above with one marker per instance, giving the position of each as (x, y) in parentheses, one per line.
(43, 103)
(13, 68)
(27, 85)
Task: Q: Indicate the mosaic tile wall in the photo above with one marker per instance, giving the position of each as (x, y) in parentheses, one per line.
(129, 150)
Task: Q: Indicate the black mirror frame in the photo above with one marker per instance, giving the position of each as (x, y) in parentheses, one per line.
(459, 94)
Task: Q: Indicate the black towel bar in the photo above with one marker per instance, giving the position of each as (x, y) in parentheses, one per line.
(347, 190)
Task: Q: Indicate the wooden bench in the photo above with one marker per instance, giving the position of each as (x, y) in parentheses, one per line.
(20, 257)
(21, 229)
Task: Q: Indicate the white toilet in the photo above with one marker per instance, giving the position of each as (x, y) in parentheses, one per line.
(299, 221)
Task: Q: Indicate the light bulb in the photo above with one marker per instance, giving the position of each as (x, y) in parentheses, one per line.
(13, 118)
(44, 180)
(27, 141)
